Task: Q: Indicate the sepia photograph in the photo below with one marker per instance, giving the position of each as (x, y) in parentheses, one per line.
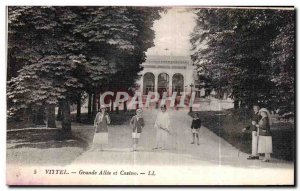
(150, 95)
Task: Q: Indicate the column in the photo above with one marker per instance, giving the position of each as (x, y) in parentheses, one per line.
(170, 85)
(142, 85)
(155, 82)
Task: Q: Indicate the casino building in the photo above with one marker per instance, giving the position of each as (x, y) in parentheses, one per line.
(169, 74)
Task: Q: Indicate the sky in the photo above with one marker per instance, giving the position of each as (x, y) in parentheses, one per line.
(172, 32)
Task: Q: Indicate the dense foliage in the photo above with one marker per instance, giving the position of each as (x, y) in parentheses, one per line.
(249, 53)
(57, 53)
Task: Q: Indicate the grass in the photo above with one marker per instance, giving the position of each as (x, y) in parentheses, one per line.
(229, 124)
(116, 118)
(42, 146)
(45, 146)
(40, 138)
(18, 124)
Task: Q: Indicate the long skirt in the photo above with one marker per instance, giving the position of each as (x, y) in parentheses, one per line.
(100, 138)
(136, 135)
(265, 144)
(162, 137)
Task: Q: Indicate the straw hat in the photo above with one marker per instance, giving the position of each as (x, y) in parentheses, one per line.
(268, 114)
(102, 106)
(139, 110)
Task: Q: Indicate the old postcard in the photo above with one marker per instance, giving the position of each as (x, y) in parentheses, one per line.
(123, 95)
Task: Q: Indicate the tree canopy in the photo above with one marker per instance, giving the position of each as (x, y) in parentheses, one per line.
(247, 52)
(55, 53)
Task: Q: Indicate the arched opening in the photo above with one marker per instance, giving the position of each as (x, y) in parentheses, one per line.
(177, 83)
(148, 82)
(163, 83)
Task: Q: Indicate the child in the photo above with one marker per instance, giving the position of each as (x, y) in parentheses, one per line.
(196, 124)
(136, 123)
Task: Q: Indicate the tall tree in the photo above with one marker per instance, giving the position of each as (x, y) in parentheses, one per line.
(116, 67)
(233, 48)
(44, 40)
(67, 50)
(283, 61)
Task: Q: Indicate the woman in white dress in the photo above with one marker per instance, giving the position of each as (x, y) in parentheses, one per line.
(162, 125)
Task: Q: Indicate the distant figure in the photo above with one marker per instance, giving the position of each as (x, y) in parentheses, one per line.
(213, 93)
(101, 122)
(162, 125)
(288, 116)
(196, 124)
(202, 92)
(254, 121)
(265, 138)
(137, 123)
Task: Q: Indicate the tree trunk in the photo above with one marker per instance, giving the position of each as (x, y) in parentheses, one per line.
(66, 122)
(112, 106)
(125, 106)
(236, 104)
(59, 112)
(40, 116)
(90, 106)
(51, 116)
(98, 103)
(78, 114)
(94, 111)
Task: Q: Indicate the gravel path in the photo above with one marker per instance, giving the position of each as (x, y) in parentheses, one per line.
(213, 162)
(212, 149)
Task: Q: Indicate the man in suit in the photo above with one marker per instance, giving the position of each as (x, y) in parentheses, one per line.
(254, 121)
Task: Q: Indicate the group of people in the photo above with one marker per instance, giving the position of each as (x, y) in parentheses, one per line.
(260, 127)
(162, 126)
(261, 134)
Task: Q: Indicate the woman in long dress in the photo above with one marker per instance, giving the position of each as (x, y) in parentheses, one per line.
(101, 122)
(162, 125)
(264, 132)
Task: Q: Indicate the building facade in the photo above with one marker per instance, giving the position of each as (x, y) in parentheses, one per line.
(177, 74)
(167, 74)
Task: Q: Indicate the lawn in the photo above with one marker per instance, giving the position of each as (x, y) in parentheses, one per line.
(229, 124)
(116, 118)
(42, 146)
(31, 146)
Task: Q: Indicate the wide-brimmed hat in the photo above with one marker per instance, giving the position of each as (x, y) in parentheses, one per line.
(268, 114)
(102, 106)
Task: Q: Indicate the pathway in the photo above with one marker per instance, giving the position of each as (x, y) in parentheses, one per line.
(213, 152)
